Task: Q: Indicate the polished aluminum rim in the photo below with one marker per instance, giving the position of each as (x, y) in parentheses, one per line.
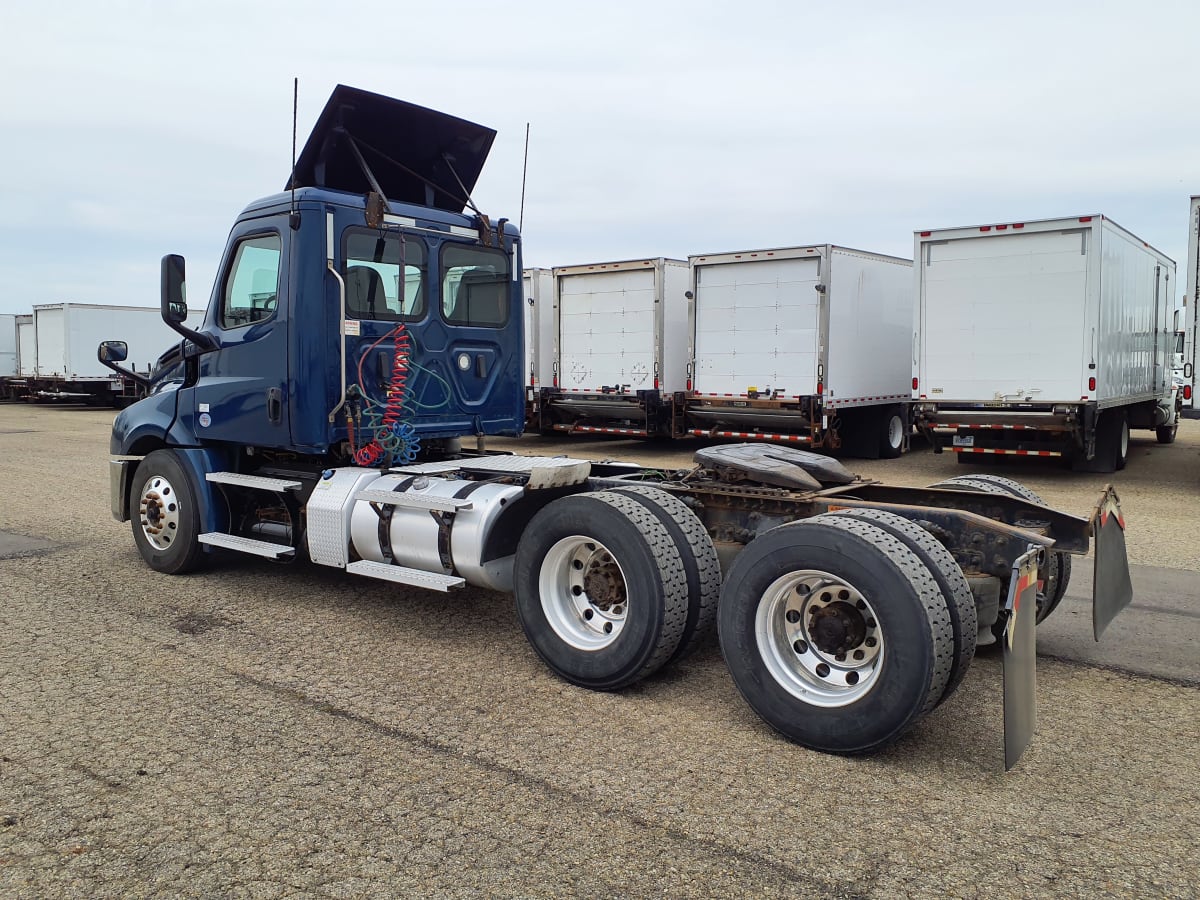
(819, 638)
(158, 509)
(584, 594)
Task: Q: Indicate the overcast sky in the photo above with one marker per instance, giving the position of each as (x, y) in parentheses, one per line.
(134, 129)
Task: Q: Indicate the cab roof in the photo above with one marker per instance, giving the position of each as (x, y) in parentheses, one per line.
(414, 153)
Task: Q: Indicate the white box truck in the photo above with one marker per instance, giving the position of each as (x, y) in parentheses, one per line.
(8, 345)
(1189, 299)
(808, 345)
(26, 347)
(1046, 338)
(621, 354)
(539, 336)
(66, 335)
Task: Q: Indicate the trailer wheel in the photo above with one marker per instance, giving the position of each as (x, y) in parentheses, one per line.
(835, 633)
(165, 515)
(1166, 433)
(600, 588)
(1058, 564)
(701, 566)
(956, 593)
(1122, 456)
(893, 431)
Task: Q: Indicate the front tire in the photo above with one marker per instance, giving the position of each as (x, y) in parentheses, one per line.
(600, 589)
(165, 514)
(835, 633)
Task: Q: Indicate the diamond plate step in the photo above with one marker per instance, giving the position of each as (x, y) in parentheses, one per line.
(246, 545)
(413, 501)
(403, 575)
(252, 481)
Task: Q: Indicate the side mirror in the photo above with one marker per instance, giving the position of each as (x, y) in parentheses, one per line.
(174, 293)
(112, 351)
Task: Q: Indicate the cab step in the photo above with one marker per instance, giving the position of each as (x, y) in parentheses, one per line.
(403, 575)
(246, 545)
(413, 501)
(258, 482)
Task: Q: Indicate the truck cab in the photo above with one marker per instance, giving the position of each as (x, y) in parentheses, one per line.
(362, 293)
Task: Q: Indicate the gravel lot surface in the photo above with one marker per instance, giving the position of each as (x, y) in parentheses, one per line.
(258, 730)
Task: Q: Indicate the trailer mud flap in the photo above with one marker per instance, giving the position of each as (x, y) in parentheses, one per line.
(1020, 650)
(1113, 589)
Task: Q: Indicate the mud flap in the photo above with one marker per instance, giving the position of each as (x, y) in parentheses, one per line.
(1113, 589)
(1020, 650)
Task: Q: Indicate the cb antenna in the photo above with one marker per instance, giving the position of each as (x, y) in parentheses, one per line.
(294, 218)
(524, 172)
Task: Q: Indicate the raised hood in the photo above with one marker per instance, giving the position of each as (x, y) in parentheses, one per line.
(413, 152)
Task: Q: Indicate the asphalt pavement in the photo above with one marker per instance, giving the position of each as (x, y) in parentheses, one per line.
(266, 730)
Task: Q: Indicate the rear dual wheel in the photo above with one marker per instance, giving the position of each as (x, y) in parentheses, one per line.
(1052, 585)
(838, 634)
(601, 589)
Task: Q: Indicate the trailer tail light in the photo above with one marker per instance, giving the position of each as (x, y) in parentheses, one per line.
(820, 389)
(915, 382)
(656, 382)
(1092, 383)
(688, 384)
(1187, 392)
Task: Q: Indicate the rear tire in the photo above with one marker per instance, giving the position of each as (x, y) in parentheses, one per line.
(1166, 433)
(956, 592)
(701, 566)
(600, 590)
(893, 430)
(804, 593)
(1058, 564)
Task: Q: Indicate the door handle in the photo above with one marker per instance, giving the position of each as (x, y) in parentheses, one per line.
(274, 405)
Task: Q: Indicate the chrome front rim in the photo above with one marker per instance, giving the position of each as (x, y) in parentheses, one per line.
(819, 638)
(158, 509)
(584, 593)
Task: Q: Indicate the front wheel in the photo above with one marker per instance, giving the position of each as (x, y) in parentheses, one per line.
(1166, 433)
(165, 514)
(836, 634)
(601, 590)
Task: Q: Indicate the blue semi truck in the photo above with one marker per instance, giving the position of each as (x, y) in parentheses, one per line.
(367, 321)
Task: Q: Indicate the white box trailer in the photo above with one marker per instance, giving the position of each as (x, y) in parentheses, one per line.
(8, 345)
(538, 291)
(1192, 279)
(539, 326)
(26, 347)
(621, 353)
(803, 344)
(1046, 338)
(67, 335)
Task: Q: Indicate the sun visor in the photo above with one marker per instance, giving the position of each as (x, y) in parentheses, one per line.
(405, 146)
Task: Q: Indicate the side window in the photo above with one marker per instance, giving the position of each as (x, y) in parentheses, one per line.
(475, 286)
(385, 275)
(252, 286)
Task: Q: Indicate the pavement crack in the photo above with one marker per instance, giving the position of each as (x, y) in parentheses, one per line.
(761, 865)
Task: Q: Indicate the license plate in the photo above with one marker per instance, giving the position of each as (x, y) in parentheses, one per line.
(964, 440)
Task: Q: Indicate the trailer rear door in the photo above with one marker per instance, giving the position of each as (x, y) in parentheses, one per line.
(757, 326)
(1002, 316)
(607, 329)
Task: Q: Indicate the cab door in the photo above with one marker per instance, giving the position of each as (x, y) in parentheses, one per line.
(241, 392)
